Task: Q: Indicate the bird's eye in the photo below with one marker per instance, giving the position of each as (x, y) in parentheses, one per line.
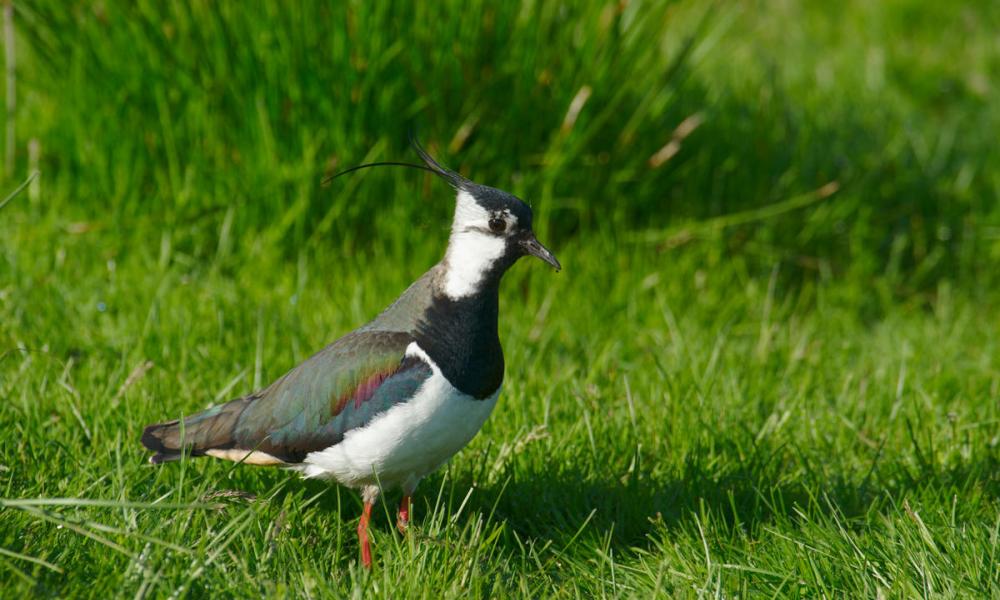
(497, 225)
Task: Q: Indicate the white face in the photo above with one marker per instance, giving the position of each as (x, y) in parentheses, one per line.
(474, 245)
(469, 215)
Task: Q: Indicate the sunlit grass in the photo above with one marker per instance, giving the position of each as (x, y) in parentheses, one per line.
(769, 367)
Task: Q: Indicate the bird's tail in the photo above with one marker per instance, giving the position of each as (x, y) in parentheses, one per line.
(212, 429)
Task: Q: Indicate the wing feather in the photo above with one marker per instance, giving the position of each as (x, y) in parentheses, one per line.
(338, 389)
(310, 408)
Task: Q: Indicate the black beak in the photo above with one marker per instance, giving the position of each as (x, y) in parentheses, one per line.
(533, 247)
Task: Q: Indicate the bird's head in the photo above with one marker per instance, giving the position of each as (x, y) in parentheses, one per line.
(491, 230)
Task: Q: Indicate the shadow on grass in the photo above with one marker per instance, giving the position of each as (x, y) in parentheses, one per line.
(563, 504)
(560, 503)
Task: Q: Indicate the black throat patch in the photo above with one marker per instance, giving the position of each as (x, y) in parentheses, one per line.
(460, 336)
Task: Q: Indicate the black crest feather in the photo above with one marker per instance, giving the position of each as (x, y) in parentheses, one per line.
(430, 165)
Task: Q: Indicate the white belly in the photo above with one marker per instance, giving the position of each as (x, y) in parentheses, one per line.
(408, 441)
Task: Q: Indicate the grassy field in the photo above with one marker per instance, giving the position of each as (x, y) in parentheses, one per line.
(769, 368)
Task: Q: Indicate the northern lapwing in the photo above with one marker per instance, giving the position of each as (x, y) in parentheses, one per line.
(390, 402)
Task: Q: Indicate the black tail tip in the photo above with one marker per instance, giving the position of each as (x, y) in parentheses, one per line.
(153, 442)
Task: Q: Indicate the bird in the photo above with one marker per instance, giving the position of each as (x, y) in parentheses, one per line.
(389, 403)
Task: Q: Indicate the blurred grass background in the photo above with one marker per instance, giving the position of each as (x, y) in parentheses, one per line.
(184, 111)
(780, 228)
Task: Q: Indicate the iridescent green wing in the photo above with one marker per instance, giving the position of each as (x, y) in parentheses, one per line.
(340, 388)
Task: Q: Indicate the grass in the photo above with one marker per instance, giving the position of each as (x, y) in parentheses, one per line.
(767, 370)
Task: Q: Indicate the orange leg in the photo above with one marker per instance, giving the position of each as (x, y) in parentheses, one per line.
(403, 521)
(366, 549)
